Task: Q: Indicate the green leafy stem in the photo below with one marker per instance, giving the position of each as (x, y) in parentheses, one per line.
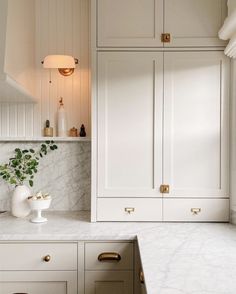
(24, 165)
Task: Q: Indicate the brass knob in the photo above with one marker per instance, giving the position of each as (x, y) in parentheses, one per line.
(47, 258)
(109, 256)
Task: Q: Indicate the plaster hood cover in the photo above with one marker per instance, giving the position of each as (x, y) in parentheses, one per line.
(12, 86)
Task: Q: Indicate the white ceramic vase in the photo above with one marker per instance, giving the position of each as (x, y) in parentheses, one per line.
(19, 204)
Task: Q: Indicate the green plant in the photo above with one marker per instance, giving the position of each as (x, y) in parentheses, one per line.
(24, 165)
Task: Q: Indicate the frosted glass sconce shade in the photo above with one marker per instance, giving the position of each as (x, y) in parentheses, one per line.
(64, 63)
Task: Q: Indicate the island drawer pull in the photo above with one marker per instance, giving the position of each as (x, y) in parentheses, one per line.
(109, 256)
(47, 258)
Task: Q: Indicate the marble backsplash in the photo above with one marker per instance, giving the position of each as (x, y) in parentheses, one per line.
(64, 173)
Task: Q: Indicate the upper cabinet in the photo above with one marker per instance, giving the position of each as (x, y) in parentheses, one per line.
(141, 23)
(132, 23)
(200, 22)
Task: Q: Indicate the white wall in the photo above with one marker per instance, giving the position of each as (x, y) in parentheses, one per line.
(62, 27)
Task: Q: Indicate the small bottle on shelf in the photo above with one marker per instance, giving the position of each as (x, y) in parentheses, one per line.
(61, 120)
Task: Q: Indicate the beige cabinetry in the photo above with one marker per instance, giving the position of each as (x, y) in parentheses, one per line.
(160, 115)
(141, 23)
(109, 268)
(36, 268)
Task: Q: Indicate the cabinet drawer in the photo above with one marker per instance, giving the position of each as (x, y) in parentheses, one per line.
(129, 209)
(120, 255)
(107, 282)
(199, 210)
(31, 256)
(38, 282)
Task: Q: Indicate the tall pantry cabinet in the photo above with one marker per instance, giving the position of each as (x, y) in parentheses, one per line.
(160, 111)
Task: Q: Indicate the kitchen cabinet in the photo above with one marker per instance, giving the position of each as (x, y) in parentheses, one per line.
(160, 111)
(196, 123)
(109, 267)
(34, 282)
(133, 23)
(141, 23)
(103, 282)
(36, 268)
(130, 94)
(157, 142)
(194, 23)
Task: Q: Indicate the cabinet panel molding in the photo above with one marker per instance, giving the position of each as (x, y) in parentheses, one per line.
(194, 23)
(196, 124)
(129, 124)
(133, 23)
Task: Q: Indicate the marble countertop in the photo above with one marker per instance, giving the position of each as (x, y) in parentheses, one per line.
(177, 258)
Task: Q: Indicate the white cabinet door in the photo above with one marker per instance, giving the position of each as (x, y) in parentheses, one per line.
(107, 282)
(196, 124)
(132, 23)
(130, 99)
(44, 282)
(194, 23)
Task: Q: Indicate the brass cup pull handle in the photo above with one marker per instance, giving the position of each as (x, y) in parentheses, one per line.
(195, 211)
(47, 258)
(109, 256)
(141, 276)
(129, 210)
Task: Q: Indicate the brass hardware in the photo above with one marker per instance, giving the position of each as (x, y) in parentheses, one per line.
(165, 189)
(165, 38)
(141, 276)
(109, 256)
(129, 209)
(47, 258)
(195, 211)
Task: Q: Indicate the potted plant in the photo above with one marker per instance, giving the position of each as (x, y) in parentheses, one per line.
(21, 169)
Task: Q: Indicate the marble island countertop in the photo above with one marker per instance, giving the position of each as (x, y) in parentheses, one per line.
(177, 258)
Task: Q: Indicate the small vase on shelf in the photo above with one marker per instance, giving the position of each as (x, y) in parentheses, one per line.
(61, 120)
(19, 204)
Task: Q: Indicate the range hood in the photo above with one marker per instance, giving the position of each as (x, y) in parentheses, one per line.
(17, 51)
(228, 31)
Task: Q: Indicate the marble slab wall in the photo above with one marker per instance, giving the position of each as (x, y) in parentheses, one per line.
(64, 173)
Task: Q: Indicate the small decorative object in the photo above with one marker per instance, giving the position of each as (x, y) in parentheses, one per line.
(48, 131)
(82, 131)
(62, 121)
(73, 132)
(22, 168)
(38, 203)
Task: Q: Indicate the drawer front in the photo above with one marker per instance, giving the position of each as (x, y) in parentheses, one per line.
(108, 282)
(40, 256)
(196, 210)
(109, 256)
(129, 209)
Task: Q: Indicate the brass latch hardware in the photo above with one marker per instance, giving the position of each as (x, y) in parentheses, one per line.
(165, 189)
(129, 209)
(195, 211)
(141, 276)
(165, 38)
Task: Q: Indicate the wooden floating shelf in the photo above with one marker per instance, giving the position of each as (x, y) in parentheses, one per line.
(42, 139)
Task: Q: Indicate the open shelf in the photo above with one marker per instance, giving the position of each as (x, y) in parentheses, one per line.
(41, 139)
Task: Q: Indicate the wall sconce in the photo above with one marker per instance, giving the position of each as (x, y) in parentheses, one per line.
(64, 63)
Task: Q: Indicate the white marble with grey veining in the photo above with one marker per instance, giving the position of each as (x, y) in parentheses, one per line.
(64, 173)
(177, 258)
